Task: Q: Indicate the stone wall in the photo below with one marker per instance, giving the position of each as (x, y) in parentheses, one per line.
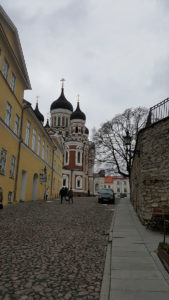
(150, 171)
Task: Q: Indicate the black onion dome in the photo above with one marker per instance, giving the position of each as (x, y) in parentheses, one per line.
(86, 130)
(47, 124)
(38, 114)
(78, 114)
(61, 102)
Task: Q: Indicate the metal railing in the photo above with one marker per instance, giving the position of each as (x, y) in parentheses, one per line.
(158, 112)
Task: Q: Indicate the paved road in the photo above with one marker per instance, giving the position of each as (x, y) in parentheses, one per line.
(53, 251)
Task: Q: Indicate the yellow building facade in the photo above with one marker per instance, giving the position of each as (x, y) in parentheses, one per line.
(30, 161)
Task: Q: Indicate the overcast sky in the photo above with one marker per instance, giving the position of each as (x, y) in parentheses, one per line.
(114, 53)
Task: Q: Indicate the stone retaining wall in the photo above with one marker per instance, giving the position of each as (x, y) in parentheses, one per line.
(150, 172)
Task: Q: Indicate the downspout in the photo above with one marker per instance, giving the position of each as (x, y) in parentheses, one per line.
(51, 185)
(19, 150)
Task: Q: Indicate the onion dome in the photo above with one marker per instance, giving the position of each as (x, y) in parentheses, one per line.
(78, 114)
(38, 114)
(86, 130)
(61, 102)
(47, 124)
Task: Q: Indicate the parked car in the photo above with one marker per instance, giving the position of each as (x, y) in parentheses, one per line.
(106, 196)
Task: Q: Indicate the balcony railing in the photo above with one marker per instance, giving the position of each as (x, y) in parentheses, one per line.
(158, 112)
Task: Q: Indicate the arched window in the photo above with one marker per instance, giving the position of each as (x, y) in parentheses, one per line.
(78, 157)
(76, 130)
(66, 122)
(63, 121)
(54, 123)
(66, 158)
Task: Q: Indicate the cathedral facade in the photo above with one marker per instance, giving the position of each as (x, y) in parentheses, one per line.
(79, 152)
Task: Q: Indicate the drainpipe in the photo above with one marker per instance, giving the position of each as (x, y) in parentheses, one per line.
(19, 149)
(51, 184)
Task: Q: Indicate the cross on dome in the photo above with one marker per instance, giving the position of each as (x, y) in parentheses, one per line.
(78, 98)
(37, 99)
(62, 80)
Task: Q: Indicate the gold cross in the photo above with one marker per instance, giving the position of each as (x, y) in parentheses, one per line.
(62, 82)
(78, 98)
(48, 116)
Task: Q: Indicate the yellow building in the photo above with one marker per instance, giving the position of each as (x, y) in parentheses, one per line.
(27, 153)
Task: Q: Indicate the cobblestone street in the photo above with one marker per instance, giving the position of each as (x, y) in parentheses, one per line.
(53, 251)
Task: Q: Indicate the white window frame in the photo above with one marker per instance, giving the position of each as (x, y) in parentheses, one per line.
(39, 144)
(3, 161)
(5, 69)
(16, 127)
(66, 158)
(78, 152)
(47, 153)
(33, 139)
(43, 150)
(12, 168)
(27, 135)
(8, 114)
(13, 82)
(79, 179)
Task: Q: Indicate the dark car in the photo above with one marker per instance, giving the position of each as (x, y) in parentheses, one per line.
(106, 196)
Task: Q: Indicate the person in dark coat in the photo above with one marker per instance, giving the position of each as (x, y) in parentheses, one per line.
(62, 194)
(70, 195)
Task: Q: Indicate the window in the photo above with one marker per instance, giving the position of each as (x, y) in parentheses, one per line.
(58, 121)
(5, 69)
(12, 169)
(63, 121)
(47, 151)
(66, 122)
(33, 139)
(8, 114)
(64, 181)
(16, 128)
(39, 142)
(10, 197)
(50, 158)
(12, 82)
(78, 157)
(43, 150)
(78, 182)
(28, 125)
(54, 123)
(66, 157)
(76, 130)
(3, 161)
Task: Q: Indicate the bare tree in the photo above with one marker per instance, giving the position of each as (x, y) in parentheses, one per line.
(109, 140)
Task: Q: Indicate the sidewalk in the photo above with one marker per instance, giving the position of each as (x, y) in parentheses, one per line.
(132, 268)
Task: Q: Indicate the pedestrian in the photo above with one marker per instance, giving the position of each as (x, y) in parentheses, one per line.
(62, 194)
(1, 198)
(70, 195)
(46, 193)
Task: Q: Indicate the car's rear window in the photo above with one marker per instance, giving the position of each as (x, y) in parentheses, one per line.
(106, 191)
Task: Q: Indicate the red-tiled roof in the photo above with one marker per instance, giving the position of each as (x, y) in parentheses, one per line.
(110, 179)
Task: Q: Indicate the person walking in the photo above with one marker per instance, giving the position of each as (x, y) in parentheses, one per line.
(1, 198)
(70, 195)
(62, 194)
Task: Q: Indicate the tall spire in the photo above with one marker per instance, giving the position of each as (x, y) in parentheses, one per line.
(62, 80)
(78, 98)
(37, 99)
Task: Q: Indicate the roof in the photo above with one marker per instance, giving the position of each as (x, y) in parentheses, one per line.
(61, 102)
(110, 179)
(78, 114)
(18, 54)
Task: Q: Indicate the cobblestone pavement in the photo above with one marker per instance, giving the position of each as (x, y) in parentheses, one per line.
(53, 251)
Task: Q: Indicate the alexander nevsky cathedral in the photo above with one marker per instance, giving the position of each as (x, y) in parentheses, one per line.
(79, 152)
